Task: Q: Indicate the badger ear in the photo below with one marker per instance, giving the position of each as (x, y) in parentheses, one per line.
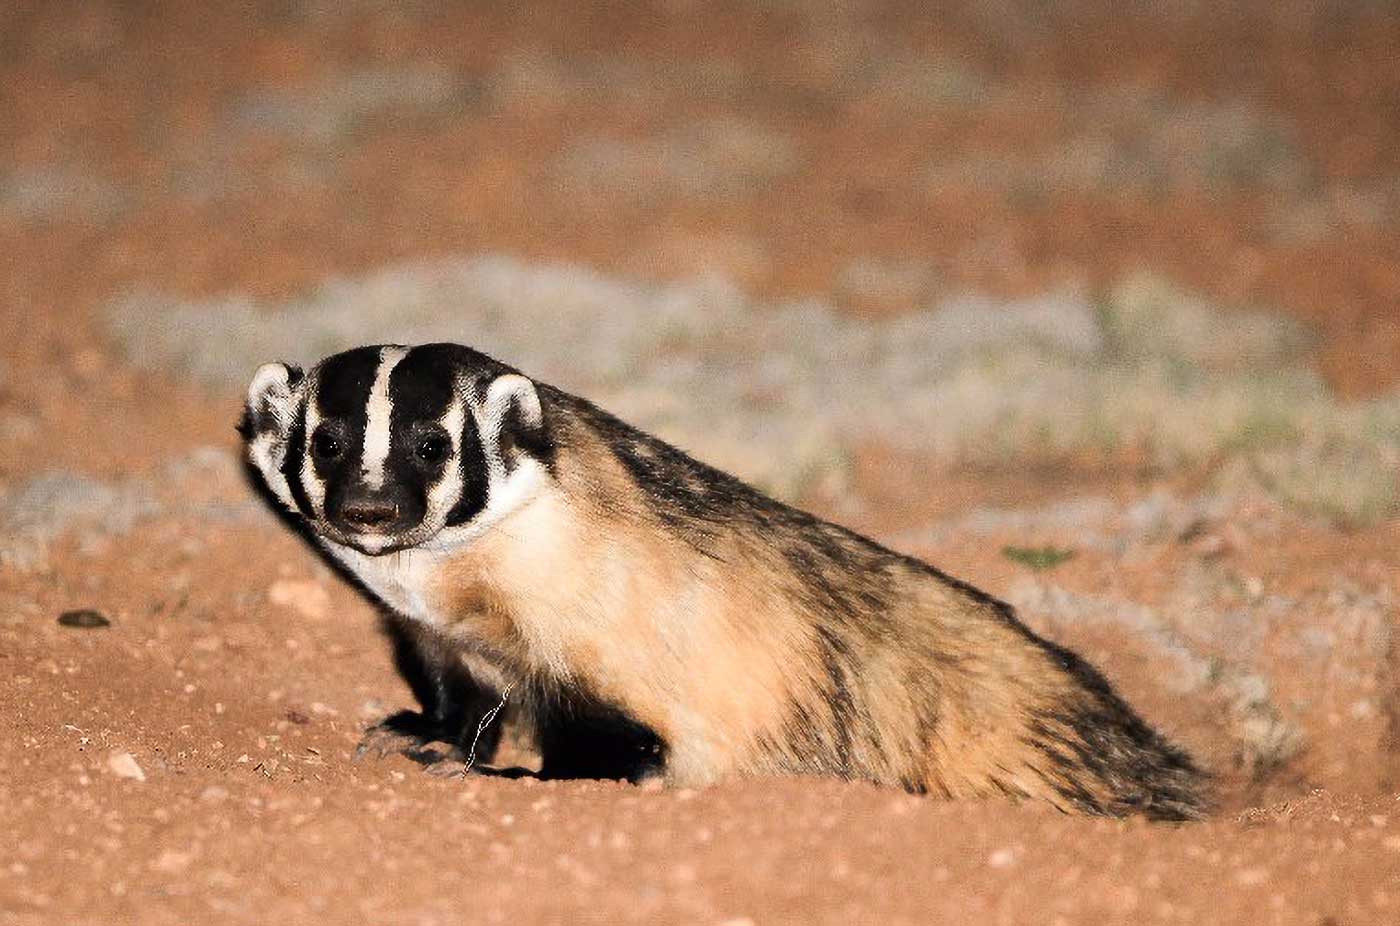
(273, 397)
(513, 415)
(272, 401)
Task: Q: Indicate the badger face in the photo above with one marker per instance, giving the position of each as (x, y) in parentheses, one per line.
(388, 447)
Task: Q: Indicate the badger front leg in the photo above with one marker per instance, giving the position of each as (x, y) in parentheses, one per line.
(582, 738)
(452, 705)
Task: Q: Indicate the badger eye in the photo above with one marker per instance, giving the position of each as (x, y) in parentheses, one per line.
(326, 445)
(432, 449)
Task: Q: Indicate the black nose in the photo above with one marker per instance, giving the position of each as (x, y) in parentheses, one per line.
(370, 512)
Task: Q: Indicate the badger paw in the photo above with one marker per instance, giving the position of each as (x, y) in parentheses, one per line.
(407, 733)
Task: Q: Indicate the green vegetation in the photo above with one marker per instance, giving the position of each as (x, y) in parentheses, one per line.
(1038, 558)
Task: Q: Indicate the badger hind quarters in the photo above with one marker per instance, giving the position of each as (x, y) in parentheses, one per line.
(1062, 735)
(1102, 759)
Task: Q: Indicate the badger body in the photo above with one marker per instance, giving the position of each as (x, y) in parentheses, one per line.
(651, 615)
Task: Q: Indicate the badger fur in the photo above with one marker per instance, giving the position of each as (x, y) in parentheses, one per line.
(652, 616)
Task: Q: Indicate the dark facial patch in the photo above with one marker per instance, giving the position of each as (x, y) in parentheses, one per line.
(342, 399)
(473, 474)
(422, 385)
(291, 465)
(421, 389)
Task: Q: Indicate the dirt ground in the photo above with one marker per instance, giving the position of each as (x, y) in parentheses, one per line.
(191, 761)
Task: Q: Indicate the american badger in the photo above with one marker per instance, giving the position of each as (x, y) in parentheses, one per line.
(652, 616)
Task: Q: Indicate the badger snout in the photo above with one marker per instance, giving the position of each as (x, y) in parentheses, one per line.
(365, 510)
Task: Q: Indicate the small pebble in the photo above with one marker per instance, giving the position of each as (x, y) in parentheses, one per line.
(123, 765)
(85, 618)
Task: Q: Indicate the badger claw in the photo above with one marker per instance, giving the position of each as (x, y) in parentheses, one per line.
(407, 733)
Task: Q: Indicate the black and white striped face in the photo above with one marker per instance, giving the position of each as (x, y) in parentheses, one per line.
(385, 448)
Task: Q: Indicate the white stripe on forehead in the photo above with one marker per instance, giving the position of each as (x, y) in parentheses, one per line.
(379, 413)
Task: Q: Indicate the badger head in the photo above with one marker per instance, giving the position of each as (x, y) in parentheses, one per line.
(384, 448)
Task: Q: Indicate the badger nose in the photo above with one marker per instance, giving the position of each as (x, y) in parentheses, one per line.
(370, 512)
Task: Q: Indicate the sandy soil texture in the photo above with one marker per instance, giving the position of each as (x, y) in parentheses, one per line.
(1095, 308)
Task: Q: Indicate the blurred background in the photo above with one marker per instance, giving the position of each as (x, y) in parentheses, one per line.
(1147, 233)
(1094, 304)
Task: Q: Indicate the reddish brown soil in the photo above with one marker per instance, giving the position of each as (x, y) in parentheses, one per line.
(242, 714)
